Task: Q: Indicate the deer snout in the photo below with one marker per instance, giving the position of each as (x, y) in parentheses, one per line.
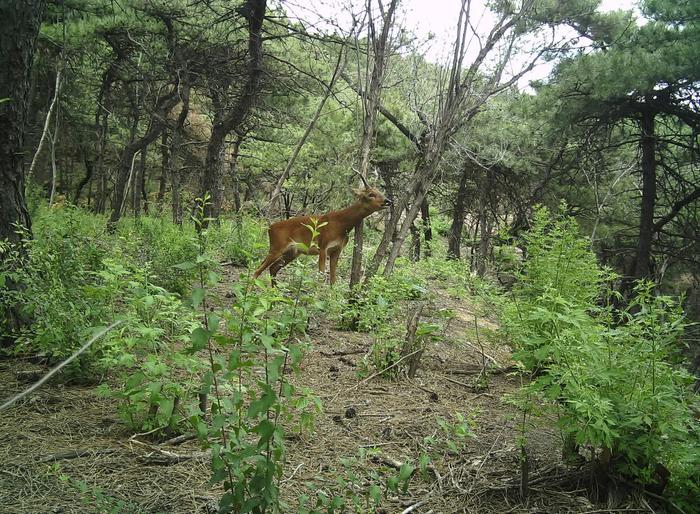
(387, 203)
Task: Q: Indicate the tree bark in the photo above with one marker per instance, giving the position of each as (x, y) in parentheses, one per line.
(163, 181)
(427, 228)
(173, 169)
(139, 182)
(648, 202)
(53, 136)
(454, 240)
(415, 243)
(104, 107)
(484, 222)
(234, 173)
(89, 170)
(19, 25)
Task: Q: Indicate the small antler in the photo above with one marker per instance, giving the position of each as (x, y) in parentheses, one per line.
(362, 177)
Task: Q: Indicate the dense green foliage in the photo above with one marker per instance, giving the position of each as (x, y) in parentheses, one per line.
(611, 375)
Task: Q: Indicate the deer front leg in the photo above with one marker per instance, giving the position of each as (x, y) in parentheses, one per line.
(322, 261)
(334, 255)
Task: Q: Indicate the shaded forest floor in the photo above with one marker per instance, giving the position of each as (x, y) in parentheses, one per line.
(388, 419)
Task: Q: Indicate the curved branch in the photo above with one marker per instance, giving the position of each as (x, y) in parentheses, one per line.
(676, 209)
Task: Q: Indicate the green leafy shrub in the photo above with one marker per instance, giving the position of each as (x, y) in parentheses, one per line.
(241, 241)
(162, 245)
(57, 292)
(74, 281)
(617, 387)
(251, 346)
(381, 297)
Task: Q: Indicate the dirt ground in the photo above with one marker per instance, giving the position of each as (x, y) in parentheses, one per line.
(389, 418)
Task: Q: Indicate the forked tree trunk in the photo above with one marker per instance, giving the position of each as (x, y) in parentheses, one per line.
(451, 114)
(225, 122)
(371, 106)
(163, 106)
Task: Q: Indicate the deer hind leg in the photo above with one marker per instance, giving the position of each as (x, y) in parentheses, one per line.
(271, 258)
(285, 258)
(334, 254)
(322, 261)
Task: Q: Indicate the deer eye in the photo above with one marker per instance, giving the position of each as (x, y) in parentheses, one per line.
(371, 195)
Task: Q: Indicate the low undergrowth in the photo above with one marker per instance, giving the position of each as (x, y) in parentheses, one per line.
(612, 377)
(186, 359)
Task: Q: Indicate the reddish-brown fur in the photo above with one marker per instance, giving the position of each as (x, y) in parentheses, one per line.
(333, 230)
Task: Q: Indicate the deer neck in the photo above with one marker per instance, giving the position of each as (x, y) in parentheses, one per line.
(352, 215)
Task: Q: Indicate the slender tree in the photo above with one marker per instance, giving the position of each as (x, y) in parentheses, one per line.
(379, 57)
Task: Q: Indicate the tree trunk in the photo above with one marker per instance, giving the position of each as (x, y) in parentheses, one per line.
(89, 170)
(104, 107)
(234, 173)
(485, 226)
(47, 122)
(144, 177)
(371, 106)
(390, 233)
(173, 169)
(415, 243)
(19, 26)
(484, 222)
(157, 124)
(163, 181)
(400, 235)
(53, 136)
(646, 217)
(176, 202)
(454, 240)
(139, 183)
(163, 106)
(426, 169)
(212, 183)
(427, 228)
